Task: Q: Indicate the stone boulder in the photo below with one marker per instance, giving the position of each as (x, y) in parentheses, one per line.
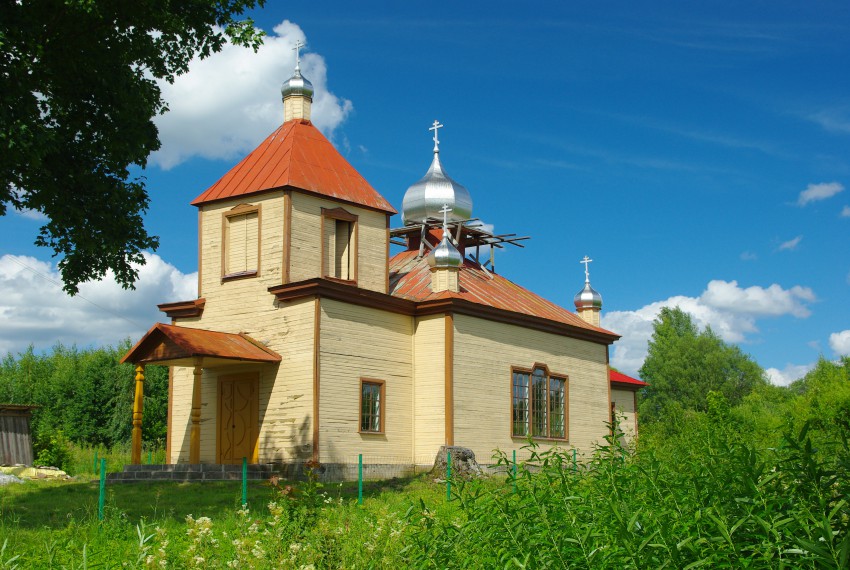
(464, 465)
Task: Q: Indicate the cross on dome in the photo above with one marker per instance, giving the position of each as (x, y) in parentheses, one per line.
(298, 46)
(586, 262)
(435, 128)
(445, 210)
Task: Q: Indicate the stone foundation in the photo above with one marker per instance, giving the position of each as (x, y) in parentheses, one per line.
(328, 472)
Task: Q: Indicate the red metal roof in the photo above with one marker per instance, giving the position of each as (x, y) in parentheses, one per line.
(410, 278)
(169, 342)
(619, 377)
(296, 155)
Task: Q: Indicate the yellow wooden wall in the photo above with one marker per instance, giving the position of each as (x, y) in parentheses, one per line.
(307, 238)
(286, 389)
(361, 342)
(483, 356)
(271, 250)
(624, 403)
(245, 305)
(429, 418)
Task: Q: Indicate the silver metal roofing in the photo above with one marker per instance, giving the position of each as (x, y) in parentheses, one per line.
(297, 85)
(445, 254)
(424, 199)
(588, 298)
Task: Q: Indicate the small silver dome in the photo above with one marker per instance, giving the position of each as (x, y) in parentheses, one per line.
(426, 198)
(445, 254)
(297, 85)
(588, 298)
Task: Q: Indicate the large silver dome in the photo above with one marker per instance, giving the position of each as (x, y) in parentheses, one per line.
(297, 85)
(588, 298)
(427, 197)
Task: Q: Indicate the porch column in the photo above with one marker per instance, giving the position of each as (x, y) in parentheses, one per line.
(195, 433)
(138, 405)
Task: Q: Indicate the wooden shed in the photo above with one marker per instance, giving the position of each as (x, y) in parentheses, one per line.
(15, 438)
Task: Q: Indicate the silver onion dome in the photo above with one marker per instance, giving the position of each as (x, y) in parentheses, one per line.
(425, 199)
(297, 85)
(445, 254)
(588, 298)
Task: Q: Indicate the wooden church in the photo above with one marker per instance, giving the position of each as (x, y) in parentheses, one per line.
(309, 342)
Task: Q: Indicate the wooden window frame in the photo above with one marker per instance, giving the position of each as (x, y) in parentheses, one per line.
(240, 210)
(332, 215)
(382, 409)
(548, 377)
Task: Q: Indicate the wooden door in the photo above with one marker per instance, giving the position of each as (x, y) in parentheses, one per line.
(238, 417)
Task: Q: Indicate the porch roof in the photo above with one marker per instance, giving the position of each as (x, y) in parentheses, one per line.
(182, 346)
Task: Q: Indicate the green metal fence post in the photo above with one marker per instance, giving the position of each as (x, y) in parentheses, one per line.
(94, 463)
(448, 475)
(150, 457)
(575, 465)
(244, 482)
(101, 501)
(360, 479)
(514, 466)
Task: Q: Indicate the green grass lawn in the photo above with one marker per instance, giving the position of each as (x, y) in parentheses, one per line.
(54, 524)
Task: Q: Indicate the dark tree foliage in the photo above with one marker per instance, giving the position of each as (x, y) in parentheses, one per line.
(84, 394)
(78, 95)
(683, 365)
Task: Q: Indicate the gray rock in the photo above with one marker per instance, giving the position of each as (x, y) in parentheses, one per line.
(464, 465)
(6, 479)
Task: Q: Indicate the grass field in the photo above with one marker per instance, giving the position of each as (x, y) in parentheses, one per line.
(702, 498)
(54, 524)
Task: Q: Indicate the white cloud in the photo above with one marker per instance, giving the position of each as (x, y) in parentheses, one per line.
(36, 311)
(29, 214)
(822, 191)
(748, 256)
(791, 244)
(840, 343)
(845, 212)
(788, 374)
(730, 310)
(228, 103)
(833, 120)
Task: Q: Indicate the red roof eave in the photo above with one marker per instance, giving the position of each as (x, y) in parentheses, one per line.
(624, 381)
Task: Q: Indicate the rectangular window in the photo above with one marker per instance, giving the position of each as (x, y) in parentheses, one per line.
(372, 406)
(342, 250)
(241, 242)
(520, 403)
(539, 404)
(339, 244)
(557, 408)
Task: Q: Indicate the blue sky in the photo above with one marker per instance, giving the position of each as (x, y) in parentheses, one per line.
(697, 152)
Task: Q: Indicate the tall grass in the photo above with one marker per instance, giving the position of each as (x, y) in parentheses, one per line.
(703, 496)
(714, 501)
(85, 459)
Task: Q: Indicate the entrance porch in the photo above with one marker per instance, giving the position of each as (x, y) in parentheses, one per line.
(238, 393)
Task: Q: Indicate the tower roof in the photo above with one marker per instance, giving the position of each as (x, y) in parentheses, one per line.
(296, 155)
(445, 254)
(297, 84)
(423, 199)
(588, 297)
